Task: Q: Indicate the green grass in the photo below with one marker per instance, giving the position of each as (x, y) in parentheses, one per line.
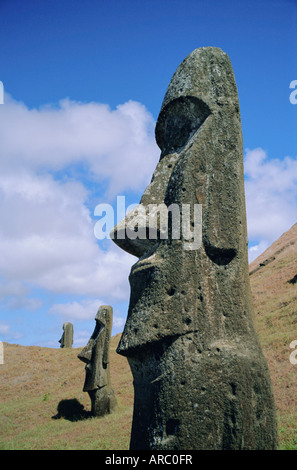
(35, 381)
(275, 302)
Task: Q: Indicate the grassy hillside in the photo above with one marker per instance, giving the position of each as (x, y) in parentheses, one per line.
(42, 405)
(273, 278)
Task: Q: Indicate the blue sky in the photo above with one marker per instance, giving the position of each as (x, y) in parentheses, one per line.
(84, 82)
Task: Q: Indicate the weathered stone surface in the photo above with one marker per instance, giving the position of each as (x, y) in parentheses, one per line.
(200, 378)
(67, 336)
(96, 356)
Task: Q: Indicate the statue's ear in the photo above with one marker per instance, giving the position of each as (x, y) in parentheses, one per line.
(105, 357)
(108, 327)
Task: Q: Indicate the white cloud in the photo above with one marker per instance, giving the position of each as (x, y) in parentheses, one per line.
(46, 234)
(4, 329)
(81, 338)
(84, 310)
(256, 250)
(12, 289)
(271, 197)
(7, 334)
(115, 145)
(118, 322)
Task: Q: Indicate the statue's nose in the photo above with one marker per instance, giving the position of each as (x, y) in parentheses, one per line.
(132, 233)
(86, 353)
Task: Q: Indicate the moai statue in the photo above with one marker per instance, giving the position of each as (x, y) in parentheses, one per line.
(200, 378)
(96, 356)
(66, 340)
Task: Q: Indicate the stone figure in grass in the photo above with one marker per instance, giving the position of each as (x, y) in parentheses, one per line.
(96, 356)
(200, 378)
(66, 340)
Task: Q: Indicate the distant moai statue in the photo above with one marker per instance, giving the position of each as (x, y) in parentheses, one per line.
(66, 340)
(96, 356)
(200, 378)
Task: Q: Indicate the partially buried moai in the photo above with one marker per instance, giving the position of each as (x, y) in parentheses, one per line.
(200, 378)
(96, 356)
(66, 340)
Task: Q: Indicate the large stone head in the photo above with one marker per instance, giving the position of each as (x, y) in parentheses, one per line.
(200, 379)
(201, 163)
(96, 353)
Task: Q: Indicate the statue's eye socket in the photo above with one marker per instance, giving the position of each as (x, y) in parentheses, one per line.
(178, 121)
(98, 328)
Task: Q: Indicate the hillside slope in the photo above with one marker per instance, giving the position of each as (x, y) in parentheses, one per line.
(273, 277)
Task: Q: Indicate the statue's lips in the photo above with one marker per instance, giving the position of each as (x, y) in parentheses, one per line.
(152, 260)
(141, 265)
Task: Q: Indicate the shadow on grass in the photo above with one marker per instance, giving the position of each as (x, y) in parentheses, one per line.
(72, 410)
